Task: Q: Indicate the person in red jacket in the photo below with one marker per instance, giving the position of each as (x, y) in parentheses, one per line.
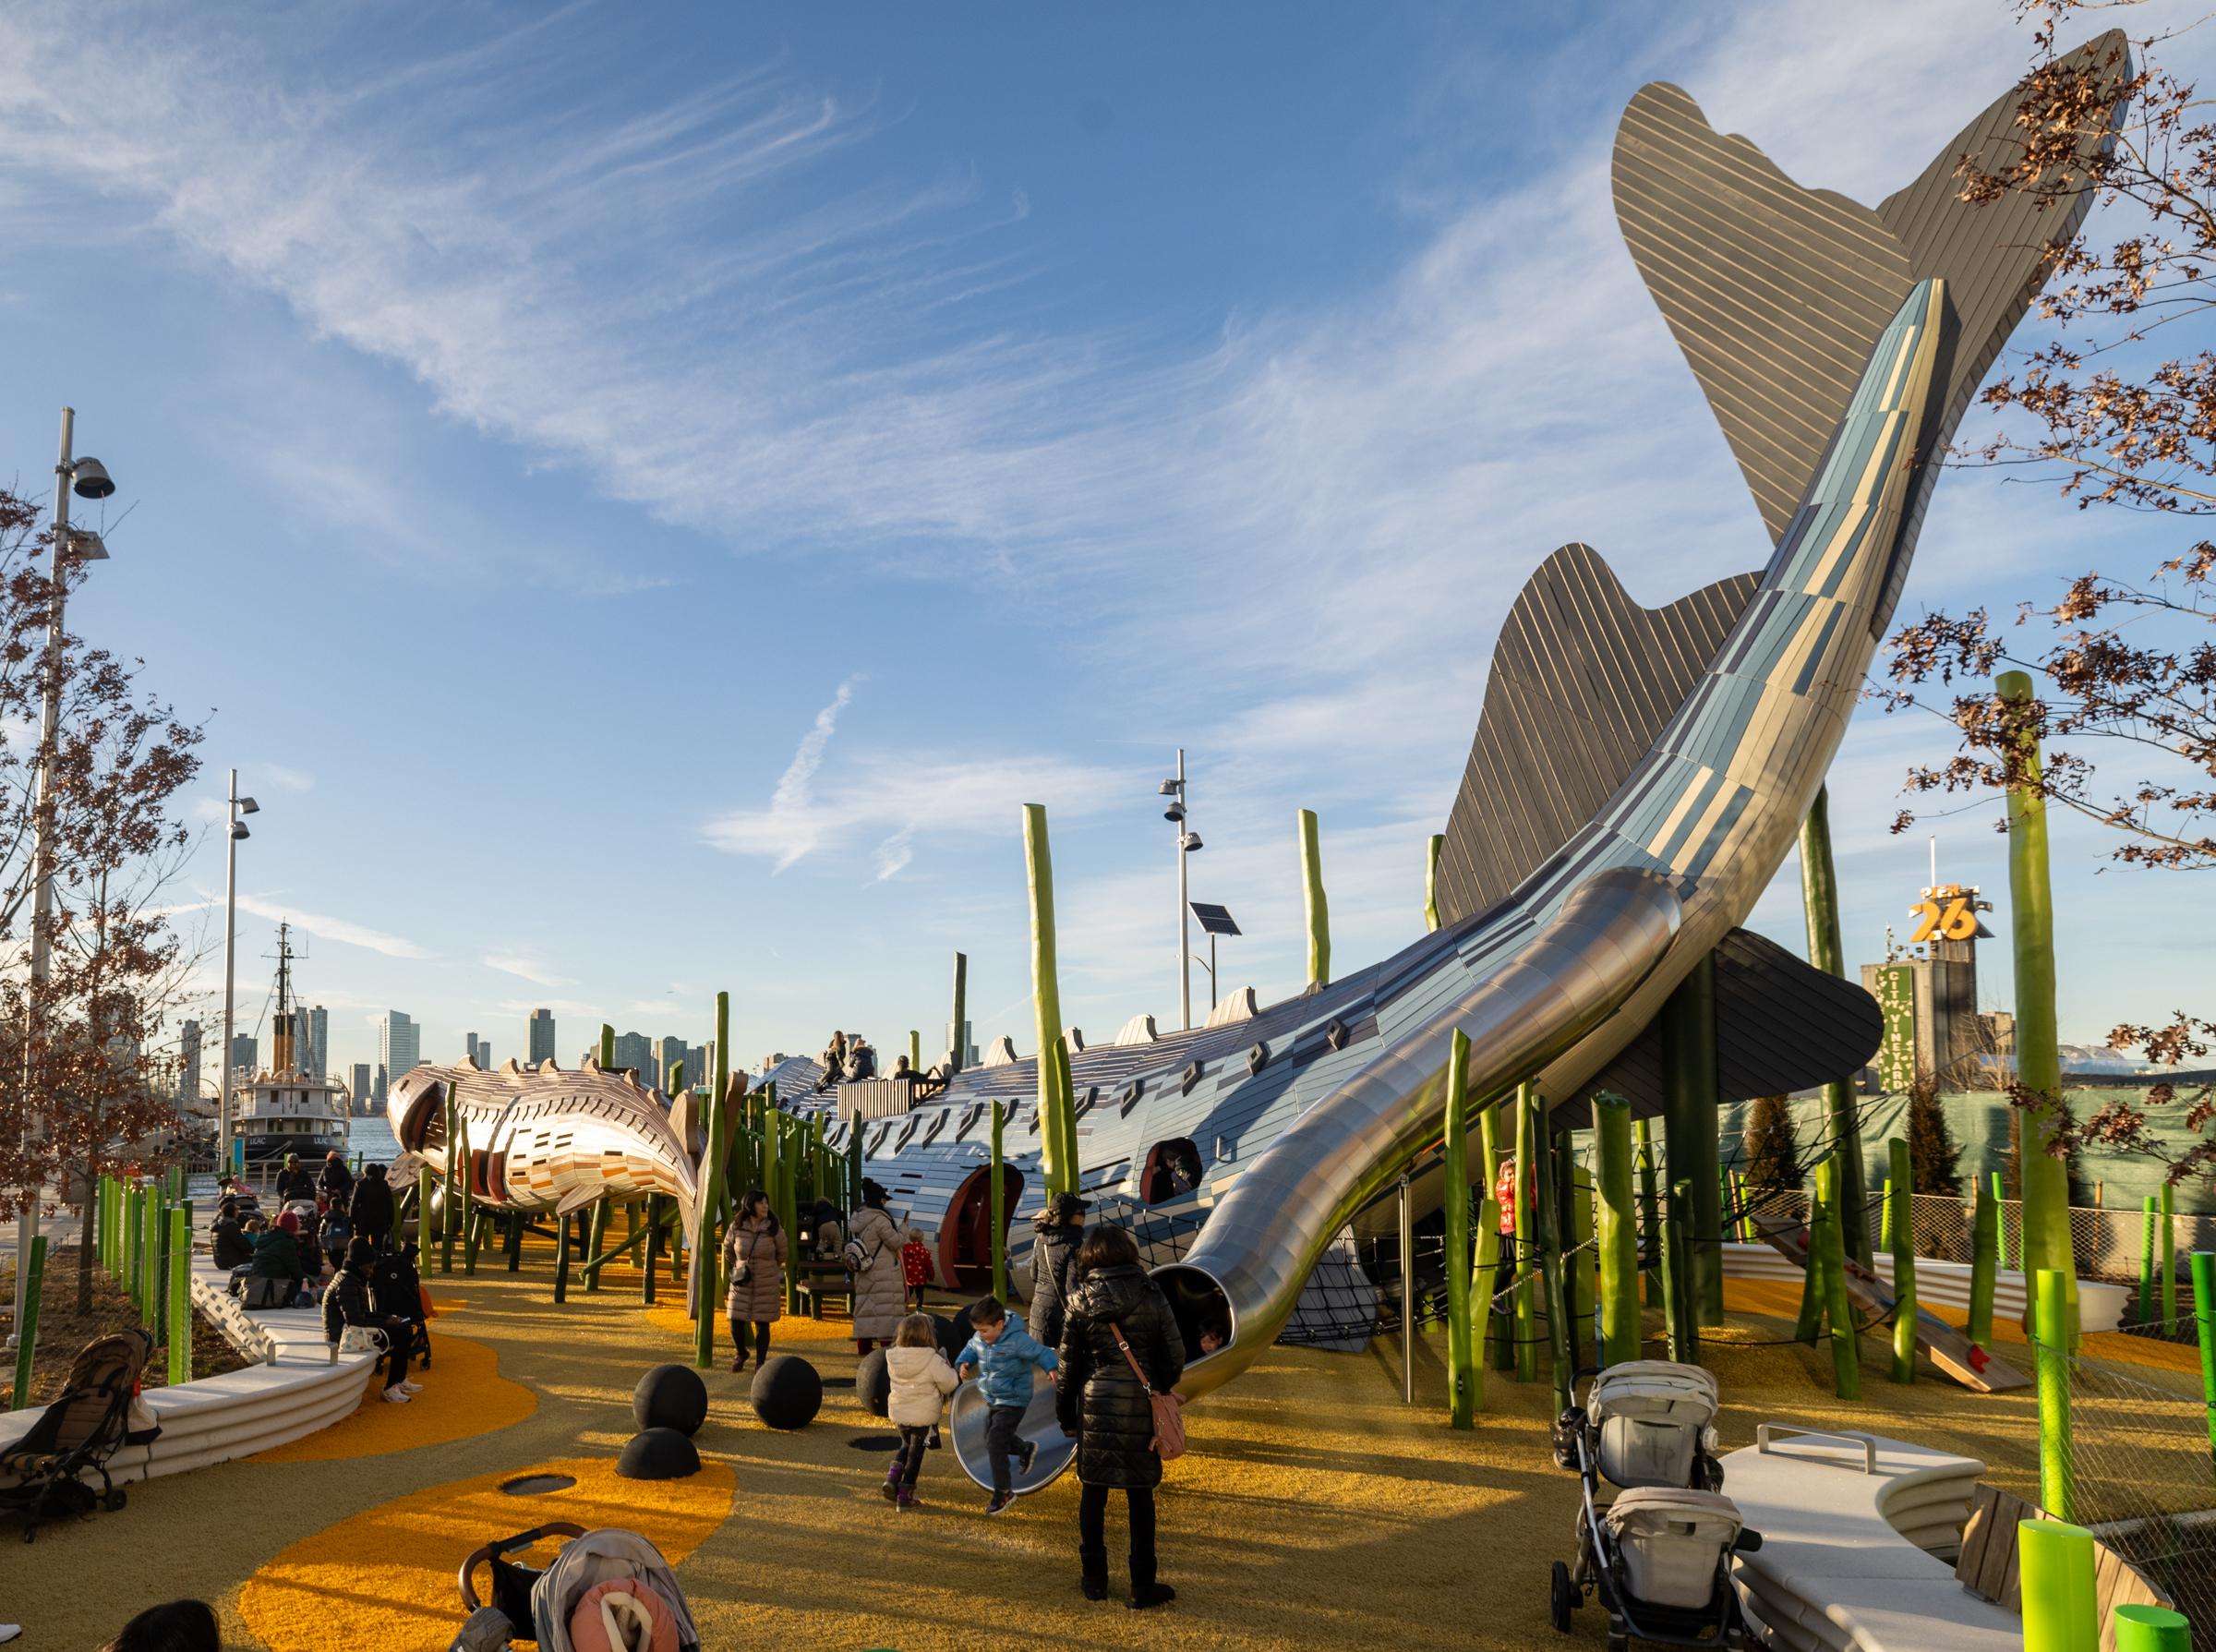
(915, 1267)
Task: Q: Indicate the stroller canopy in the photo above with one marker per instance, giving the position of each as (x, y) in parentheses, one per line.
(1652, 1418)
(605, 1556)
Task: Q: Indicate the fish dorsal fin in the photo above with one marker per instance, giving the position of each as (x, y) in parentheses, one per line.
(1778, 292)
(1584, 681)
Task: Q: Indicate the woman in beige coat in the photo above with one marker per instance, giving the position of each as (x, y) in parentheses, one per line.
(753, 1260)
(872, 1257)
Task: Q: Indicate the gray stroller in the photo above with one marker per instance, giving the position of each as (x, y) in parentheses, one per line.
(1658, 1556)
(617, 1578)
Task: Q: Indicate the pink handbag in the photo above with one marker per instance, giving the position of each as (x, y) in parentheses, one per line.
(1169, 1411)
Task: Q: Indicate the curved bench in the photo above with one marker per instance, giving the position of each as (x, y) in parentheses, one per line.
(299, 1387)
(1846, 1520)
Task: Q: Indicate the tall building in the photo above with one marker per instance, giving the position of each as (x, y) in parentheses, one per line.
(636, 1049)
(378, 1087)
(667, 1053)
(364, 1096)
(242, 1053)
(319, 1042)
(541, 1036)
(399, 1043)
(469, 1043)
(188, 1062)
(485, 1056)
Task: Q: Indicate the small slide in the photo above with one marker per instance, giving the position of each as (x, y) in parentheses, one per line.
(1948, 1348)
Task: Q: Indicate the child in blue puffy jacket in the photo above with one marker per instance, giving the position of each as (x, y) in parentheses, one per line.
(1001, 1355)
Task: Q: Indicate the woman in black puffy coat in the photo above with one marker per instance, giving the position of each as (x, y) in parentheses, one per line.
(1104, 1406)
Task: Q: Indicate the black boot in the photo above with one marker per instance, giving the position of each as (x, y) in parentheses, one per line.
(1092, 1567)
(1145, 1591)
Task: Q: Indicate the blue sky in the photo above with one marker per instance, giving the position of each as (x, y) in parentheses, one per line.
(644, 493)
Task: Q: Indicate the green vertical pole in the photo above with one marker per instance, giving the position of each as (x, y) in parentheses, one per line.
(1675, 1321)
(2150, 1629)
(2203, 1264)
(1579, 1256)
(955, 1035)
(1819, 909)
(1489, 1146)
(423, 1213)
(450, 1207)
(1619, 1229)
(2169, 1257)
(2057, 1473)
(1431, 851)
(2146, 1312)
(1461, 1396)
(561, 1258)
(608, 1047)
(1984, 1264)
(1846, 1357)
(180, 1296)
(1481, 1273)
(1812, 1299)
(1057, 1139)
(157, 1274)
(915, 1049)
(2044, 1177)
(1898, 1194)
(1885, 1215)
(149, 1257)
(479, 1217)
(1561, 1344)
(27, 1337)
(515, 1241)
(707, 1255)
(723, 1070)
(2054, 1563)
(595, 1242)
(1690, 1121)
(654, 1249)
(999, 1212)
(1317, 908)
(1650, 1210)
(1527, 1233)
(2000, 1220)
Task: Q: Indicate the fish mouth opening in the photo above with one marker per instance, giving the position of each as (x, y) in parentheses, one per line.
(1200, 1304)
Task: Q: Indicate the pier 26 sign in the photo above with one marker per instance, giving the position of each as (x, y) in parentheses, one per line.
(1896, 1055)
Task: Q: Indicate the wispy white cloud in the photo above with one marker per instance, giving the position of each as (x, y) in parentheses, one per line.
(524, 967)
(284, 778)
(320, 924)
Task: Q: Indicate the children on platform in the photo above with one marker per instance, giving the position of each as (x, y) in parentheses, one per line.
(921, 1381)
(1000, 1353)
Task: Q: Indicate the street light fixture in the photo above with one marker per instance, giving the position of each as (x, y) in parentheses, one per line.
(1173, 789)
(236, 834)
(90, 479)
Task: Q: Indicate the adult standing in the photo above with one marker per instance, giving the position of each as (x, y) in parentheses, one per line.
(1057, 1232)
(295, 1181)
(335, 1180)
(373, 1207)
(1116, 1317)
(754, 1258)
(872, 1257)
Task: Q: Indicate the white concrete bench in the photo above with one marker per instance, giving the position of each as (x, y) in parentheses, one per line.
(1943, 1285)
(1846, 1520)
(297, 1388)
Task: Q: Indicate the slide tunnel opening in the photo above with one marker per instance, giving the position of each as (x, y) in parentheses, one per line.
(965, 1245)
(1198, 1304)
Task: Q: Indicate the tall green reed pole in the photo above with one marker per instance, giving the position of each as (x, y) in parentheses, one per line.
(1460, 1364)
(1057, 1127)
(1984, 1264)
(1527, 1233)
(1318, 909)
(2169, 1257)
(27, 1335)
(1819, 909)
(1904, 1260)
(2057, 1473)
(2056, 1568)
(1437, 842)
(180, 1296)
(2204, 1322)
(1619, 1229)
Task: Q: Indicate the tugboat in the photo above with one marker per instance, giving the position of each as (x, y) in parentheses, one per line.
(285, 1108)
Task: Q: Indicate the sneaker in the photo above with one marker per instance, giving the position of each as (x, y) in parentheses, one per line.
(413, 1387)
(396, 1396)
(1026, 1454)
(908, 1498)
(892, 1487)
(1155, 1594)
(999, 1501)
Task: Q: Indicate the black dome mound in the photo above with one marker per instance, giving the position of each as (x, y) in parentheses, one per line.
(954, 1333)
(874, 1383)
(670, 1396)
(787, 1393)
(658, 1455)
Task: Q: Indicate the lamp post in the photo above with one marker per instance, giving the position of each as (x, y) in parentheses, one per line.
(1187, 842)
(235, 830)
(89, 478)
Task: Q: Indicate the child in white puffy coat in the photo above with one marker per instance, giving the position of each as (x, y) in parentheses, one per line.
(921, 1381)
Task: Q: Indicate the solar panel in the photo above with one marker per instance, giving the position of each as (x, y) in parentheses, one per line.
(1214, 920)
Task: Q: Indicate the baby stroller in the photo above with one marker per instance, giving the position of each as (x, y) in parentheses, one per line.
(79, 1433)
(1659, 1556)
(606, 1591)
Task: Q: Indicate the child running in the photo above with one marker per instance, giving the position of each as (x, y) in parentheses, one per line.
(915, 1268)
(922, 1379)
(1002, 1353)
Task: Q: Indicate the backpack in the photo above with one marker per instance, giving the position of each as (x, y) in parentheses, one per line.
(856, 1257)
(337, 1230)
